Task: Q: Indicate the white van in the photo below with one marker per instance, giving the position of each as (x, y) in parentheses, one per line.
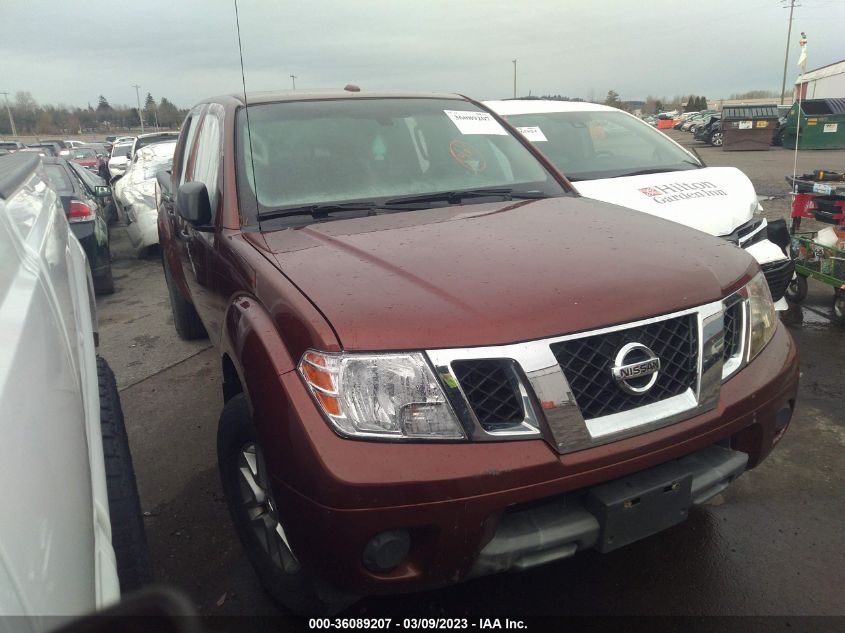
(615, 157)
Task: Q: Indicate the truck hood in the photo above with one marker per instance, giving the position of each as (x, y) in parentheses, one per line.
(488, 274)
(715, 200)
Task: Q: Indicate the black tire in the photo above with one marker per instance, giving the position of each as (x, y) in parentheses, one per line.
(111, 213)
(185, 317)
(104, 283)
(839, 307)
(796, 291)
(127, 522)
(716, 139)
(286, 581)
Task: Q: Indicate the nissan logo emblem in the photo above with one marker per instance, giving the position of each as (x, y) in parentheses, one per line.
(635, 368)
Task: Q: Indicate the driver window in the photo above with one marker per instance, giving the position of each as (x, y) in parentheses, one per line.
(207, 161)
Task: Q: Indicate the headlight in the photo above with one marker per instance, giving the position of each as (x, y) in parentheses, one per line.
(762, 316)
(389, 396)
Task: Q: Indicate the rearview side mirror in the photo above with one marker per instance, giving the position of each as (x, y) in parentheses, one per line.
(102, 191)
(192, 203)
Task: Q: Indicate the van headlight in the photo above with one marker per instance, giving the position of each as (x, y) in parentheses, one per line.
(380, 396)
(762, 317)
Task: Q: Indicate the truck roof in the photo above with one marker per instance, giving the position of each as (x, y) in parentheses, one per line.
(275, 97)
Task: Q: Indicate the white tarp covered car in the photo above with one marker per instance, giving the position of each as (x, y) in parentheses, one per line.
(71, 530)
(613, 156)
(135, 193)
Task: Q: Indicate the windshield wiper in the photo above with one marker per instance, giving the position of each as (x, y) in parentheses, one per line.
(318, 211)
(456, 197)
(653, 170)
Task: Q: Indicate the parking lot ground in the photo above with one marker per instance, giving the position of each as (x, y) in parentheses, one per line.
(773, 543)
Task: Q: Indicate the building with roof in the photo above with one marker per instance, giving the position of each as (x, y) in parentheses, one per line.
(822, 83)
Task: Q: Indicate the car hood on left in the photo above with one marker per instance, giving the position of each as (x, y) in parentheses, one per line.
(715, 200)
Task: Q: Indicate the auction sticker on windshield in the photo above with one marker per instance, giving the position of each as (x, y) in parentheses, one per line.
(533, 133)
(475, 122)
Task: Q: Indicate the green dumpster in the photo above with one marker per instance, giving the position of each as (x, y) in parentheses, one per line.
(822, 124)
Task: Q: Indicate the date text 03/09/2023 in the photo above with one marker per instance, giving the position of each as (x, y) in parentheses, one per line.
(412, 624)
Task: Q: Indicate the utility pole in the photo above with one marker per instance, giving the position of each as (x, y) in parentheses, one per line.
(792, 6)
(9, 110)
(293, 80)
(138, 97)
(514, 78)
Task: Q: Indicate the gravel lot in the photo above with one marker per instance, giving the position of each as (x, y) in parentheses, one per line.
(772, 544)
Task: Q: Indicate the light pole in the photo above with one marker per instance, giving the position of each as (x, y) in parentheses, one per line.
(9, 110)
(514, 78)
(138, 97)
(786, 57)
(293, 80)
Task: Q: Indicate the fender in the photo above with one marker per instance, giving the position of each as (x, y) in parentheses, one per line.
(260, 357)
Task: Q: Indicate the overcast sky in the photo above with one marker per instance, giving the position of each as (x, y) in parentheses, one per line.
(71, 51)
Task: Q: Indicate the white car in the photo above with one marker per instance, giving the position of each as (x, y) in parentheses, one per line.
(119, 158)
(71, 529)
(615, 157)
(135, 193)
(144, 140)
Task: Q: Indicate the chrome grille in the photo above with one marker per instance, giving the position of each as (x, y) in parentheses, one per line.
(491, 389)
(586, 363)
(733, 330)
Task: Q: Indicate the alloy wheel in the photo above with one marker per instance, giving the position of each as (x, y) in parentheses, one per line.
(261, 509)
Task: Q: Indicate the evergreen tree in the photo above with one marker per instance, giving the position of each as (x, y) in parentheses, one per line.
(613, 100)
(103, 104)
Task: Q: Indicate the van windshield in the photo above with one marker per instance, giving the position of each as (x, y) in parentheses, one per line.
(376, 150)
(602, 144)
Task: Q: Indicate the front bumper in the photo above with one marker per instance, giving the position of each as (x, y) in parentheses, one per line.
(458, 500)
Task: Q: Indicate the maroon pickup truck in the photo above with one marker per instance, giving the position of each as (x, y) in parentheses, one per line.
(438, 360)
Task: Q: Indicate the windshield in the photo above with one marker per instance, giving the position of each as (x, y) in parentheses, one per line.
(58, 179)
(332, 152)
(83, 153)
(602, 144)
(152, 140)
(121, 150)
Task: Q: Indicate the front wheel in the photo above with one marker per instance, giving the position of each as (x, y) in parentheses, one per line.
(796, 291)
(839, 307)
(185, 318)
(716, 139)
(258, 518)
